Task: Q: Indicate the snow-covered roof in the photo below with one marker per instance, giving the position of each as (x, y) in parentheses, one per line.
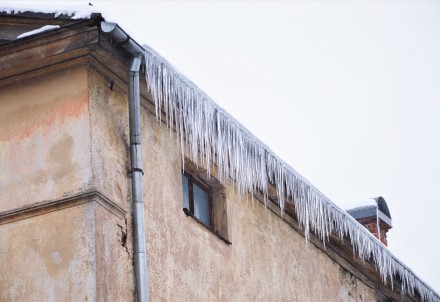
(70, 9)
(362, 203)
(209, 135)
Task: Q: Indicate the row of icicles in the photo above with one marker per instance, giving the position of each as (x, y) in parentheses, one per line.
(207, 133)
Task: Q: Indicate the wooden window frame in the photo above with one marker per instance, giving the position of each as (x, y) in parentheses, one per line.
(192, 180)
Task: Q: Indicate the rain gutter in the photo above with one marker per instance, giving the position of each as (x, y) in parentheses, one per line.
(140, 252)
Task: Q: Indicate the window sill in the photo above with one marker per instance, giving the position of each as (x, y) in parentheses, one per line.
(188, 213)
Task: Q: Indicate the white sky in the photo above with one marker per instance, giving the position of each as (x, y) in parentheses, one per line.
(348, 93)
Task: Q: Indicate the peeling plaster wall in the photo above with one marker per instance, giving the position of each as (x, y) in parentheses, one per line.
(109, 134)
(110, 158)
(74, 254)
(49, 257)
(114, 259)
(75, 249)
(353, 290)
(44, 139)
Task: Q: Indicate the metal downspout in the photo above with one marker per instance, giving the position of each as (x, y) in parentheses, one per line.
(140, 253)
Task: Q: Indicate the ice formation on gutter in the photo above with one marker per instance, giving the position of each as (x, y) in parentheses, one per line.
(209, 134)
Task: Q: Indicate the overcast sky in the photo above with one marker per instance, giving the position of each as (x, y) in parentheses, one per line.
(348, 93)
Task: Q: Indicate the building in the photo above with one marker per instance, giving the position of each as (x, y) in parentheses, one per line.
(238, 224)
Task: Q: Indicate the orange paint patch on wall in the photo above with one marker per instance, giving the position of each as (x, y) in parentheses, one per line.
(40, 103)
(66, 110)
(59, 113)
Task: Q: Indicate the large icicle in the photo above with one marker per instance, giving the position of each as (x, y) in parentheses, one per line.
(207, 133)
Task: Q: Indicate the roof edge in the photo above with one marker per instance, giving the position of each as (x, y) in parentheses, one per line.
(28, 11)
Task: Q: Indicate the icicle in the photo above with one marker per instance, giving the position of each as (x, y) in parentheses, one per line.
(208, 135)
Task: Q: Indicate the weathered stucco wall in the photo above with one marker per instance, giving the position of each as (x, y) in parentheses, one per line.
(114, 263)
(62, 221)
(110, 141)
(110, 159)
(44, 138)
(49, 257)
(76, 253)
(353, 290)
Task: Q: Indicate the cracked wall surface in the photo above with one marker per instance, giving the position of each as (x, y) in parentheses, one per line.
(353, 290)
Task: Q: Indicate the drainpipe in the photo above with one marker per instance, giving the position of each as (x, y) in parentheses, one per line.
(140, 252)
(140, 256)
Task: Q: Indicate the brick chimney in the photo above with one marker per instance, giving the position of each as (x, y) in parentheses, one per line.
(375, 216)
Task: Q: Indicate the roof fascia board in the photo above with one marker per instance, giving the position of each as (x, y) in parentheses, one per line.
(22, 57)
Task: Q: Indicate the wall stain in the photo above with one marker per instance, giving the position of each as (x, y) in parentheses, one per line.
(46, 117)
(60, 157)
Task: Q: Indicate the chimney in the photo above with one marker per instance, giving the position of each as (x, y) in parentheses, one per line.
(375, 216)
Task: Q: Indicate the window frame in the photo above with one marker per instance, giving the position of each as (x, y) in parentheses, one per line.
(215, 193)
(192, 180)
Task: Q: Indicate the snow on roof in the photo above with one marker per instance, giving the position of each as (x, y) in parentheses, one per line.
(362, 203)
(72, 9)
(38, 30)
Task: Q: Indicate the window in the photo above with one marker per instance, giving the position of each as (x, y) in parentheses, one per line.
(197, 199)
(204, 199)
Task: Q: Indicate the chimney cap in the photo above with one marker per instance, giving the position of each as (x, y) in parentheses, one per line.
(371, 208)
(382, 204)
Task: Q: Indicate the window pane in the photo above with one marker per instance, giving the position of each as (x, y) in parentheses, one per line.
(185, 192)
(201, 204)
